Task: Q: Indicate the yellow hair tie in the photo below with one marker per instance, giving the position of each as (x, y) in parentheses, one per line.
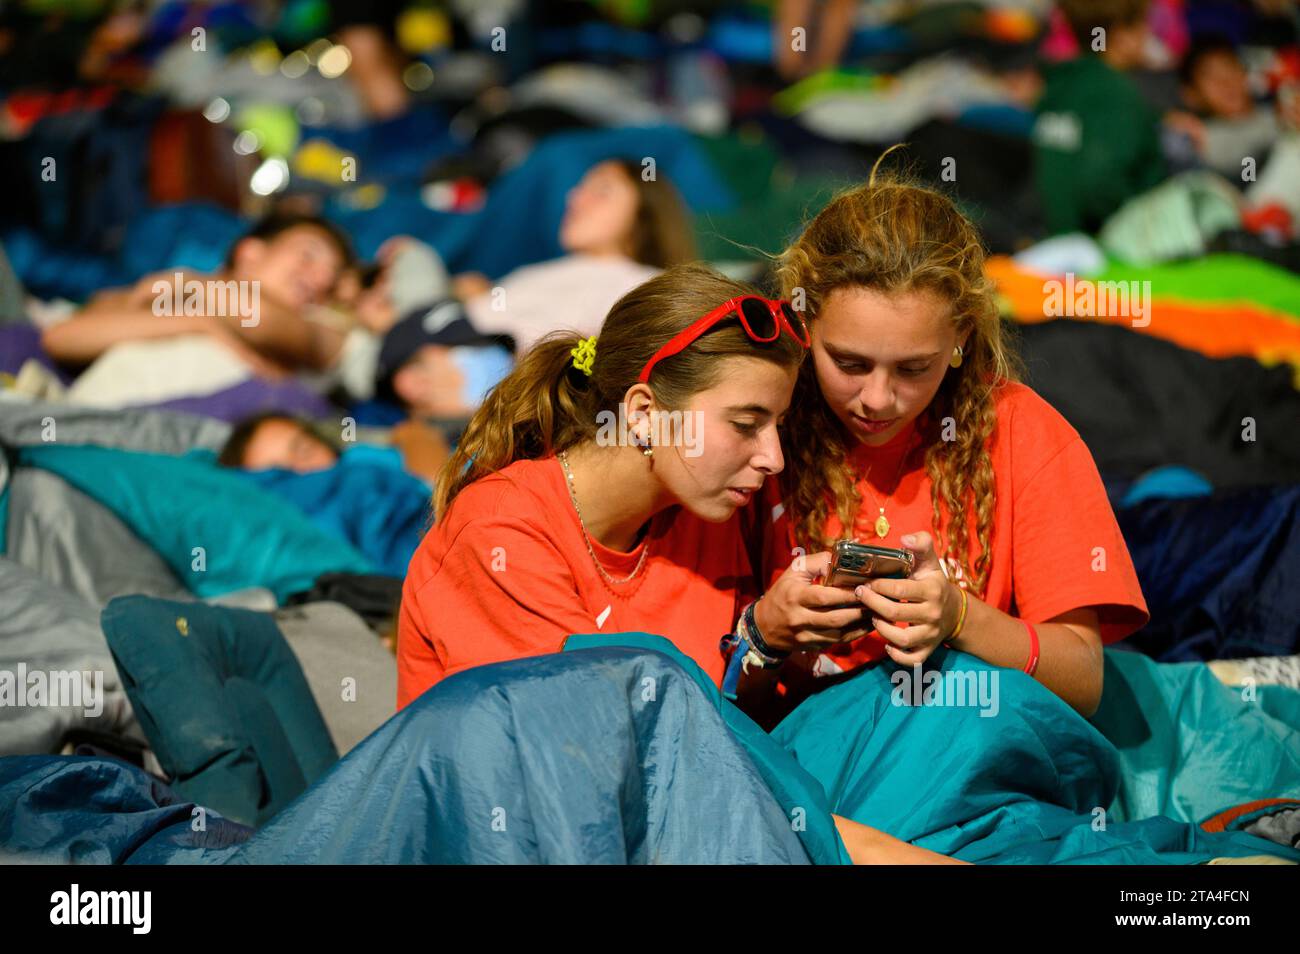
(584, 354)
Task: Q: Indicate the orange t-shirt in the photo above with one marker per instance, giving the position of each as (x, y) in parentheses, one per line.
(1056, 545)
(507, 574)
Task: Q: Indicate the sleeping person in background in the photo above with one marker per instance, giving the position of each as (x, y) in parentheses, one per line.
(276, 441)
(177, 333)
(404, 278)
(438, 361)
(618, 231)
(413, 350)
(1256, 146)
(437, 365)
(372, 497)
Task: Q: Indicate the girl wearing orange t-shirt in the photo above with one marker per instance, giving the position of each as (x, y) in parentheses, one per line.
(597, 488)
(550, 524)
(908, 429)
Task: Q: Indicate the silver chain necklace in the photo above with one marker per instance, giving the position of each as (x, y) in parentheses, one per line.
(586, 537)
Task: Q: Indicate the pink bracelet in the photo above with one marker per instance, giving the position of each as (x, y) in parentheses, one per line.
(1031, 667)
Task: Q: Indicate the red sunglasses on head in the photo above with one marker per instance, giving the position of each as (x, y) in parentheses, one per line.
(762, 319)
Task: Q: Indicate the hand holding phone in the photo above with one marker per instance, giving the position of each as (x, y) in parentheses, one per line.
(799, 612)
(914, 615)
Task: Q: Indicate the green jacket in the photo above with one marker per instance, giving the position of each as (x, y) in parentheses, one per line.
(1096, 144)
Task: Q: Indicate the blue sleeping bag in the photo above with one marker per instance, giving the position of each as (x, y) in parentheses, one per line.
(379, 509)
(603, 755)
(1220, 574)
(626, 753)
(615, 754)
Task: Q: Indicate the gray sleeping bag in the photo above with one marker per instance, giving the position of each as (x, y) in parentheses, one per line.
(33, 423)
(56, 673)
(79, 544)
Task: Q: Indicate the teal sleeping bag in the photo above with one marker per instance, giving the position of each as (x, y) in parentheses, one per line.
(214, 529)
(987, 765)
(1191, 747)
(223, 702)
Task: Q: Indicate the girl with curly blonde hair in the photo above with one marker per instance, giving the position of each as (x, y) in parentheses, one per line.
(909, 429)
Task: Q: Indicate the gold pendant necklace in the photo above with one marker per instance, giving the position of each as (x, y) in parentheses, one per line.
(881, 526)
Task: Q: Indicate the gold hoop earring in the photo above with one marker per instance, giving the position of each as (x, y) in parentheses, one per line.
(955, 360)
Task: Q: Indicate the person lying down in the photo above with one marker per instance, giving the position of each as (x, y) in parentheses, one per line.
(276, 441)
(372, 496)
(438, 357)
(180, 332)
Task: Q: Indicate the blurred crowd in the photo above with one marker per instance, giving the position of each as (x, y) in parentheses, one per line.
(418, 191)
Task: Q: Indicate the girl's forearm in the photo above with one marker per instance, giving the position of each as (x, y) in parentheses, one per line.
(1069, 653)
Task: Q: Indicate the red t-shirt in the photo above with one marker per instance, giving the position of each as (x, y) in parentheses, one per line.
(1055, 543)
(507, 574)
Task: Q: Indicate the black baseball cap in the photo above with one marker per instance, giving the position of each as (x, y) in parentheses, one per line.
(445, 323)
